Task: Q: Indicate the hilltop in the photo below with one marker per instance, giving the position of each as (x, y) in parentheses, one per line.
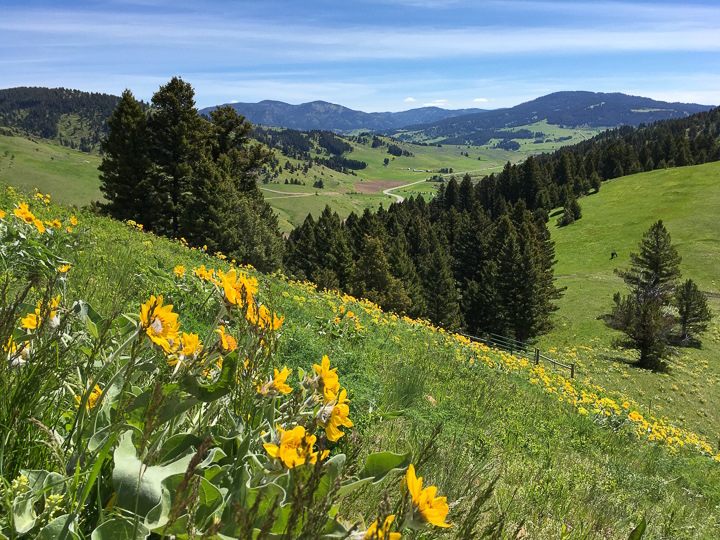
(71, 117)
(565, 109)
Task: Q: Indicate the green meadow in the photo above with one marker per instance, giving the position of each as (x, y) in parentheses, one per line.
(687, 200)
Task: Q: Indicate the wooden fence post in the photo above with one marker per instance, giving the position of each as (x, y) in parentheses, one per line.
(572, 370)
(537, 356)
(487, 339)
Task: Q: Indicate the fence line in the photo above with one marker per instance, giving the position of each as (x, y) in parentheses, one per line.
(516, 347)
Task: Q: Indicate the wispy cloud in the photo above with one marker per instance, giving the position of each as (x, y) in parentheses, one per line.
(409, 100)
(480, 100)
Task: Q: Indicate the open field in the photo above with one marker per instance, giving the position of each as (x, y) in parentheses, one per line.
(687, 200)
(71, 176)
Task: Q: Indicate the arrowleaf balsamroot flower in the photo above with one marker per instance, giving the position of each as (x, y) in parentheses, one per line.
(160, 323)
(238, 287)
(383, 534)
(92, 398)
(328, 381)
(425, 505)
(277, 384)
(179, 271)
(227, 343)
(24, 213)
(335, 414)
(295, 448)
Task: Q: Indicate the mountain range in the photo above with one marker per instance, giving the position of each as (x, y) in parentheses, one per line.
(568, 109)
(332, 117)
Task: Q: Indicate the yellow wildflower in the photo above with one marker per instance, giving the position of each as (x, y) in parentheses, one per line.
(203, 273)
(39, 226)
(92, 398)
(160, 323)
(227, 343)
(2, 214)
(635, 416)
(179, 271)
(30, 322)
(24, 213)
(277, 384)
(238, 287)
(64, 268)
(328, 381)
(335, 414)
(68, 229)
(55, 224)
(295, 448)
(431, 509)
(384, 534)
(73, 221)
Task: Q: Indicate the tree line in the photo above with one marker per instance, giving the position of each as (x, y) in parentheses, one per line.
(39, 111)
(449, 260)
(552, 180)
(184, 176)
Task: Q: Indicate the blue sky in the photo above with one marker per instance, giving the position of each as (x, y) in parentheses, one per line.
(371, 55)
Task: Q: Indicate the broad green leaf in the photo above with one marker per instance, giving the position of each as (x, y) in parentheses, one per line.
(23, 514)
(120, 529)
(60, 528)
(139, 488)
(222, 387)
(352, 486)
(639, 531)
(178, 445)
(378, 465)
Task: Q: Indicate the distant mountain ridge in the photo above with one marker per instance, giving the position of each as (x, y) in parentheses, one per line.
(322, 115)
(569, 109)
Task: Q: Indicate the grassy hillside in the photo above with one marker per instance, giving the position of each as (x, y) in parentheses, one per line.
(71, 176)
(687, 200)
(573, 460)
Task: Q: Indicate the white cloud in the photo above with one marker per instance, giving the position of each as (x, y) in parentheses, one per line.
(409, 100)
(481, 100)
(436, 103)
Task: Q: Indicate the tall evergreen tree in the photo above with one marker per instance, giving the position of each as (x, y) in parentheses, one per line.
(693, 310)
(179, 140)
(126, 167)
(441, 296)
(655, 270)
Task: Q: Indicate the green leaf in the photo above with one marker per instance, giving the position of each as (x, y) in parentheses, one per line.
(352, 486)
(60, 528)
(222, 387)
(23, 514)
(378, 465)
(120, 529)
(139, 488)
(638, 531)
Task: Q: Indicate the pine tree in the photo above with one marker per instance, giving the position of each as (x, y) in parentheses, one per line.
(693, 310)
(373, 280)
(641, 314)
(125, 172)
(646, 326)
(441, 296)
(655, 270)
(179, 139)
